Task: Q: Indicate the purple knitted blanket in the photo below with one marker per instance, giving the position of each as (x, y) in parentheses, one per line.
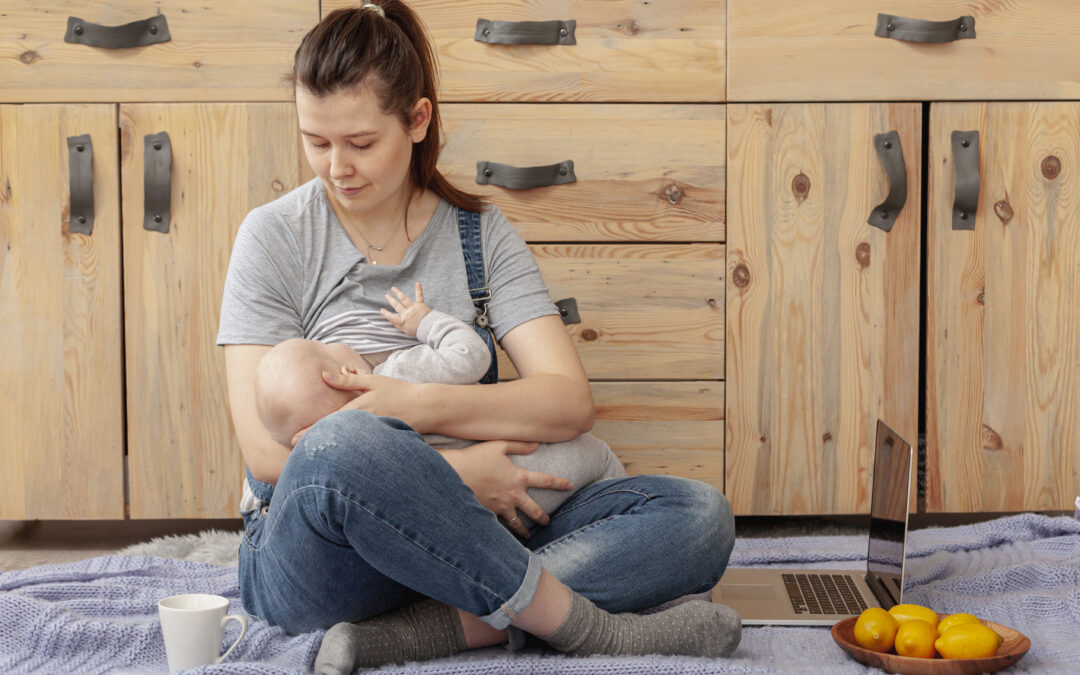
(100, 615)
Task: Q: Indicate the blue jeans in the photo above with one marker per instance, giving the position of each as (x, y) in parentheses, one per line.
(367, 517)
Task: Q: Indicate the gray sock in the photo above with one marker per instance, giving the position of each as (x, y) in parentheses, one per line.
(420, 632)
(695, 628)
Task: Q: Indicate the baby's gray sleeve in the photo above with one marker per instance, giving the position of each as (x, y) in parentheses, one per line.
(451, 353)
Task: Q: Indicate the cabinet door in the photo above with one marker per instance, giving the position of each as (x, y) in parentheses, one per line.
(623, 50)
(216, 49)
(226, 159)
(61, 376)
(822, 308)
(1003, 333)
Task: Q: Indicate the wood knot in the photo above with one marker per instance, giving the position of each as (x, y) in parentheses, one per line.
(981, 297)
(1004, 211)
(827, 437)
(740, 276)
(197, 64)
(1051, 167)
(673, 193)
(762, 439)
(278, 187)
(800, 186)
(990, 439)
(589, 335)
(29, 56)
(862, 255)
(711, 302)
(629, 27)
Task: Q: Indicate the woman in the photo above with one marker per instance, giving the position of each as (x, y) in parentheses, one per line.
(363, 525)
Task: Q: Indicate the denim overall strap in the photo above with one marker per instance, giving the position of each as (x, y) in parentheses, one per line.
(469, 231)
(263, 491)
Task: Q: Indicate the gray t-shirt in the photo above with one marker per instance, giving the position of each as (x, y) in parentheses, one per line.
(294, 272)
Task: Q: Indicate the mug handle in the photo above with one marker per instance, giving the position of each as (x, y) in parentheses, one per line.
(243, 630)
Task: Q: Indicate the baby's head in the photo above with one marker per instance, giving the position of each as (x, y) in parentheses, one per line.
(290, 393)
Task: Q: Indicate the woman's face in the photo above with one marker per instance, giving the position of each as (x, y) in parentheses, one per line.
(361, 154)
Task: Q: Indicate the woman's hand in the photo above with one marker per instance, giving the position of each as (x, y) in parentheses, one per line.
(500, 485)
(379, 395)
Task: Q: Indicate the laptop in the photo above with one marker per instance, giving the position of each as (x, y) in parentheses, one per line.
(816, 597)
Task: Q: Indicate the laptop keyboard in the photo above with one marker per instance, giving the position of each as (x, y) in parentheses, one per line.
(823, 594)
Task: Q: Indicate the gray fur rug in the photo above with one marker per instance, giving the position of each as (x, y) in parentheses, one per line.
(216, 547)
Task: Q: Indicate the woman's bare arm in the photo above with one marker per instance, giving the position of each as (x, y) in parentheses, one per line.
(550, 402)
(264, 456)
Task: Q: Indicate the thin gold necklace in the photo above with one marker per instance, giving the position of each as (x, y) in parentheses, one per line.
(370, 246)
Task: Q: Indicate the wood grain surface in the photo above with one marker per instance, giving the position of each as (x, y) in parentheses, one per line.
(822, 308)
(790, 50)
(626, 50)
(1003, 328)
(183, 457)
(61, 376)
(235, 50)
(644, 172)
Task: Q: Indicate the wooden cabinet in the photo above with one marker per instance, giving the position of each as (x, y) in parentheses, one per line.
(61, 382)
(1003, 334)
(64, 389)
(791, 50)
(636, 240)
(113, 397)
(822, 307)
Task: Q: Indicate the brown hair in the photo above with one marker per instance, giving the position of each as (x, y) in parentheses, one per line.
(389, 51)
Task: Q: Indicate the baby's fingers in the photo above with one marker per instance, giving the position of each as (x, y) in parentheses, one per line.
(419, 293)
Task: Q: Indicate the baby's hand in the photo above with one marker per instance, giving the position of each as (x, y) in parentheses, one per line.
(409, 312)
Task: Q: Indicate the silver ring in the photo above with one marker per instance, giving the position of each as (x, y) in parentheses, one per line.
(513, 519)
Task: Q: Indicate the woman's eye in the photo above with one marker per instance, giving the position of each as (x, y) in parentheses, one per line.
(320, 146)
(361, 147)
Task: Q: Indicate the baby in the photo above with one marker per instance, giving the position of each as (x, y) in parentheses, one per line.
(291, 394)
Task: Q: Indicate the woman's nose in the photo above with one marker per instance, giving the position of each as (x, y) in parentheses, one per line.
(339, 164)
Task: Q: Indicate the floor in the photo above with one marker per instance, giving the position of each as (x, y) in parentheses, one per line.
(38, 542)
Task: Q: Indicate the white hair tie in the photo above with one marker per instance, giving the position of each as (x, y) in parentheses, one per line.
(375, 8)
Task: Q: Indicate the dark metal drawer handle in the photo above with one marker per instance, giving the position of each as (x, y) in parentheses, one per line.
(524, 178)
(81, 184)
(892, 160)
(965, 151)
(157, 182)
(526, 32)
(920, 30)
(568, 311)
(135, 34)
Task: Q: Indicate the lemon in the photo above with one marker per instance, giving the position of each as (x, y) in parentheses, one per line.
(955, 620)
(875, 629)
(968, 641)
(907, 612)
(916, 637)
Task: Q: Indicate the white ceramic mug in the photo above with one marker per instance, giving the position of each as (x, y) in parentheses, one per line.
(193, 625)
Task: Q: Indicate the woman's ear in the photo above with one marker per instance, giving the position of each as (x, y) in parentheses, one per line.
(421, 118)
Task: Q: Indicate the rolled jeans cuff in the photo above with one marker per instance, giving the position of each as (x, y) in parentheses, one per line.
(508, 611)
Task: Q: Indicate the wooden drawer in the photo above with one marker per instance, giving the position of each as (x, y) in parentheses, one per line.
(648, 311)
(674, 428)
(626, 50)
(790, 50)
(235, 50)
(644, 172)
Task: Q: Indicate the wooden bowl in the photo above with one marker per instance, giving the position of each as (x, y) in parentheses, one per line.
(1011, 650)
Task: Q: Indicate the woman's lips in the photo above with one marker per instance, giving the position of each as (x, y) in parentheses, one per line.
(347, 192)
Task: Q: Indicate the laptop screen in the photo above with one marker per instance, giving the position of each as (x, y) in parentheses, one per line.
(889, 499)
